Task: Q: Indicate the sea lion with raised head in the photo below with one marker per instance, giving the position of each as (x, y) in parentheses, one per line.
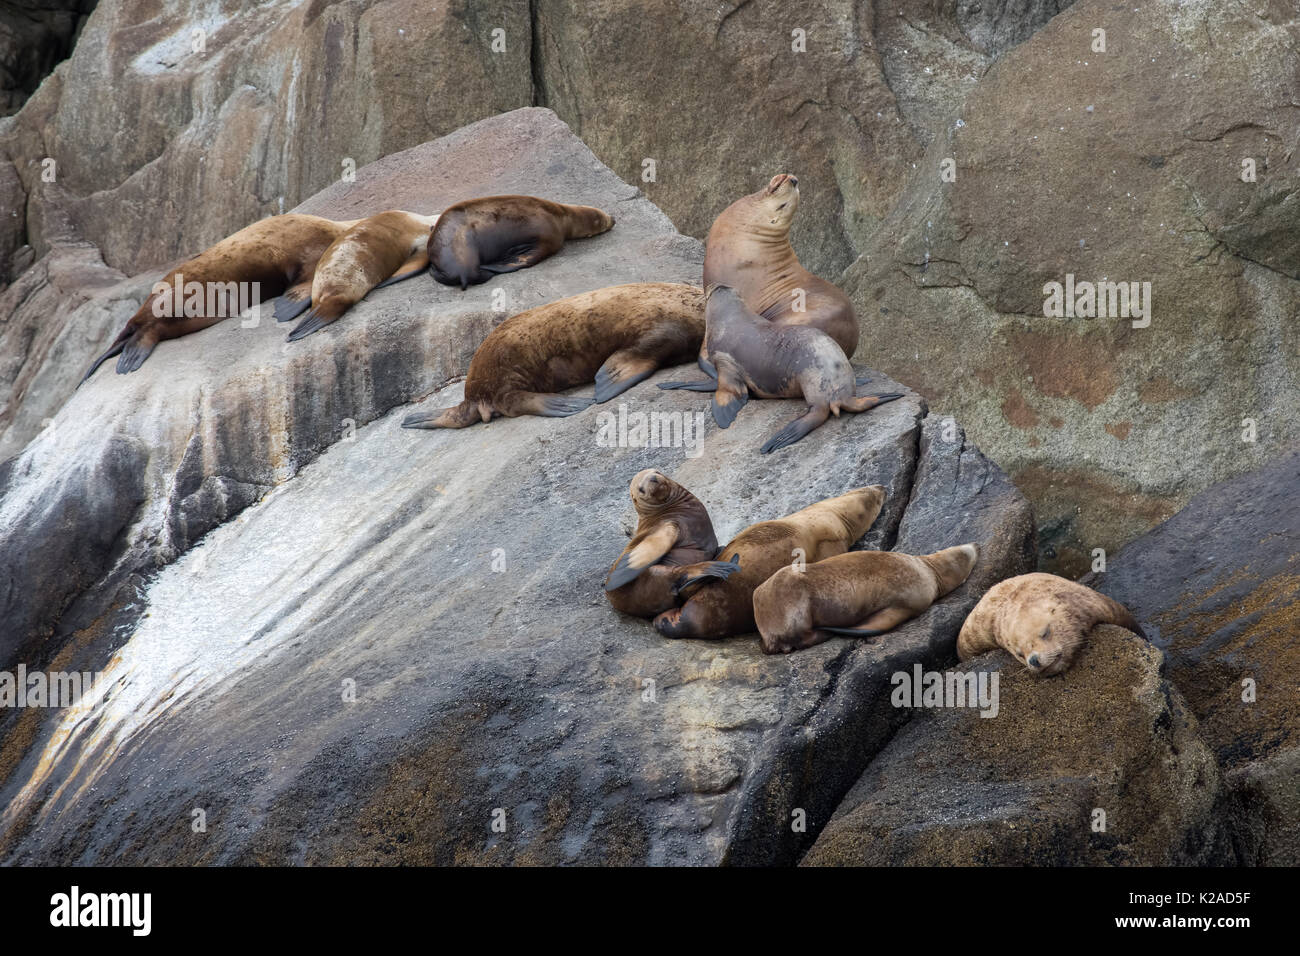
(617, 336)
(378, 251)
(278, 253)
(753, 356)
(672, 530)
(1040, 619)
(477, 239)
(718, 608)
(858, 594)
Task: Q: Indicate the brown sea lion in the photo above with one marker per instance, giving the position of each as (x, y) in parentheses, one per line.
(721, 608)
(753, 356)
(749, 249)
(617, 336)
(376, 252)
(479, 238)
(858, 594)
(277, 253)
(672, 530)
(1040, 619)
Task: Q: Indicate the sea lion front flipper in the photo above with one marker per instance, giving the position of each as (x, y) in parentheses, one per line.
(708, 385)
(707, 367)
(708, 570)
(458, 416)
(134, 352)
(797, 429)
(635, 560)
(408, 269)
(516, 258)
(863, 403)
(731, 394)
(620, 372)
(884, 620)
(294, 302)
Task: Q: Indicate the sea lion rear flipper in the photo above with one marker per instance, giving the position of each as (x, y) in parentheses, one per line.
(708, 385)
(886, 619)
(708, 570)
(864, 403)
(731, 394)
(411, 267)
(861, 377)
(113, 349)
(294, 302)
(635, 560)
(321, 315)
(546, 404)
(458, 416)
(797, 429)
(134, 352)
(620, 372)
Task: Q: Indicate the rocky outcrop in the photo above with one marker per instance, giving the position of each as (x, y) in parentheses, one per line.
(1218, 587)
(1127, 166)
(350, 642)
(34, 36)
(1100, 766)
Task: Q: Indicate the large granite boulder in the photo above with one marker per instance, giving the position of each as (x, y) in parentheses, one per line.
(1126, 166)
(344, 641)
(1218, 587)
(1100, 766)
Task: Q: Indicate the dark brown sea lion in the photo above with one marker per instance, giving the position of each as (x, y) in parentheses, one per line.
(672, 530)
(858, 594)
(479, 238)
(376, 252)
(753, 356)
(277, 253)
(721, 608)
(1040, 619)
(617, 336)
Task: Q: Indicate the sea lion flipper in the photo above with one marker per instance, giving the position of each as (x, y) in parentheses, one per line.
(864, 403)
(635, 560)
(321, 315)
(458, 416)
(620, 372)
(708, 385)
(556, 406)
(732, 393)
(707, 367)
(705, 571)
(519, 257)
(294, 302)
(797, 429)
(413, 266)
(134, 352)
(114, 349)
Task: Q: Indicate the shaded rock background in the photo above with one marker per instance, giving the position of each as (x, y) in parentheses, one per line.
(35, 35)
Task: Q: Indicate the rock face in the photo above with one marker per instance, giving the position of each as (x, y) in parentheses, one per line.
(1025, 785)
(1124, 166)
(34, 36)
(1218, 587)
(350, 642)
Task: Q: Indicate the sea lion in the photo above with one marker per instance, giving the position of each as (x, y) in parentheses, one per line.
(479, 238)
(279, 253)
(672, 530)
(1041, 619)
(749, 249)
(618, 336)
(754, 356)
(721, 608)
(858, 594)
(376, 252)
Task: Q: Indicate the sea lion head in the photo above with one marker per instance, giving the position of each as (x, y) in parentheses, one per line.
(1046, 638)
(652, 490)
(774, 207)
(858, 509)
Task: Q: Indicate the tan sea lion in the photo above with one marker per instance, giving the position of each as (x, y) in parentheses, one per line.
(617, 336)
(376, 252)
(479, 238)
(1041, 619)
(277, 253)
(721, 608)
(672, 530)
(753, 356)
(858, 594)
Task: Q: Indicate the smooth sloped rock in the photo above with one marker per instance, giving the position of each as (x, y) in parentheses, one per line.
(518, 689)
(1024, 787)
(1218, 587)
(1126, 166)
(219, 417)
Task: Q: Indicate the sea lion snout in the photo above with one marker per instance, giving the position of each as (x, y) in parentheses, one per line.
(650, 486)
(780, 180)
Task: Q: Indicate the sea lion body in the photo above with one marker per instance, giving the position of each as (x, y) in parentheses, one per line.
(1040, 619)
(722, 608)
(673, 530)
(753, 356)
(749, 249)
(277, 253)
(479, 238)
(858, 594)
(377, 251)
(618, 336)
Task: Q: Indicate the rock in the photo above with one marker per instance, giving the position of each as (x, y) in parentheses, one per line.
(1023, 786)
(1125, 165)
(350, 642)
(1217, 587)
(34, 36)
